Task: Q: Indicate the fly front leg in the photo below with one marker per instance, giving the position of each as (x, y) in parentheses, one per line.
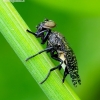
(45, 37)
(31, 32)
(38, 33)
(41, 34)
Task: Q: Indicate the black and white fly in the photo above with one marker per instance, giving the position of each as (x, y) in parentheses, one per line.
(58, 49)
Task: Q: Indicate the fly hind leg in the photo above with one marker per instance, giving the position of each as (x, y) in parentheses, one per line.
(52, 69)
(65, 74)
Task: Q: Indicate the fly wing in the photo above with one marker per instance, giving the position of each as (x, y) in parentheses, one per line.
(72, 66)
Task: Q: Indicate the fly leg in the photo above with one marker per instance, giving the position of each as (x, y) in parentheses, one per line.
(54, 56)
(65, 74)
(41, 34)
(31, 32)
(47, 49)
(52, 69)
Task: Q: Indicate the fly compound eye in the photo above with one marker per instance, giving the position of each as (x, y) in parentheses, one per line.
(49, 24)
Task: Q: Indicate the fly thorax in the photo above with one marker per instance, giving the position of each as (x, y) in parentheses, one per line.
(53, 40)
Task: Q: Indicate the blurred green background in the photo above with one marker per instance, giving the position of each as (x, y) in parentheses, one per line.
(79, 22)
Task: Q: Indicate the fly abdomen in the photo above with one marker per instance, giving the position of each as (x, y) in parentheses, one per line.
(72, 67)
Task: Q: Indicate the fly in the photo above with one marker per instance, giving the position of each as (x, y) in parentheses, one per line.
(58, 49)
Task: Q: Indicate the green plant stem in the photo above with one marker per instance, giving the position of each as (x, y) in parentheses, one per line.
(13, 28)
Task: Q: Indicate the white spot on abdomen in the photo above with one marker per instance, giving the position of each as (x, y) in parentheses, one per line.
(62, 57)
(63, 66)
